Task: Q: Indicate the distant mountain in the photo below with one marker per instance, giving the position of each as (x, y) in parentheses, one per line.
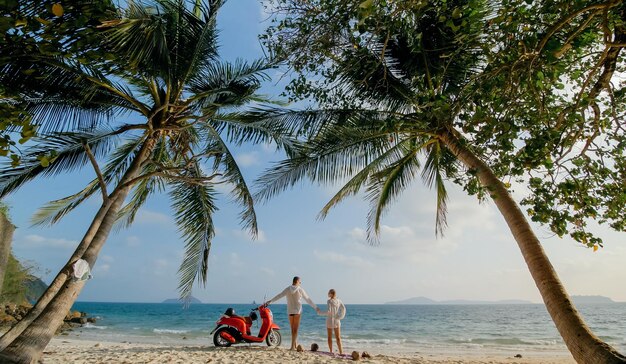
(35, 287)
(179, 301)
(591, 299)
(414, 301)
(428, 301)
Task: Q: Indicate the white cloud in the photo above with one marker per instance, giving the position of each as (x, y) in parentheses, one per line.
(247, 159)
(244, 235)
(38, 241)
(161, 267)
(235, 260)
(102, 269)
(133, 241)
(107, 258)
(267, 271)
(352, 261)
(400, 243)
(152, 217)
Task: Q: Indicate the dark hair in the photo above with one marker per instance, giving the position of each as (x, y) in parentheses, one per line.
(295, 279)
(332, 292)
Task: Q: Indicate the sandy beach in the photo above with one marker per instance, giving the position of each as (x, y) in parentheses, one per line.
(63, 350)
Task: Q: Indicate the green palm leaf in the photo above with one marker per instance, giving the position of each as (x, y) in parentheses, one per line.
(54, 211)
(144, 188)
(69, 155)
(432, 175)
(232, 174)
(64, 95)
(193, 207)
(226, 84)
(385, 186)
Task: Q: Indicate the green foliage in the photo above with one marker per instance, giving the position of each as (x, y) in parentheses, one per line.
(4, 209)
(31, 31)
(15, 288)
(531, 87)
(157, 61)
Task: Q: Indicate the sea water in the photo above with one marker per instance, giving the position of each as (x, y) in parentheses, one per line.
(392, 329)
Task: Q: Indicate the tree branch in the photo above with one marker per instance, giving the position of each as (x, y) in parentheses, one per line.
(94, 163)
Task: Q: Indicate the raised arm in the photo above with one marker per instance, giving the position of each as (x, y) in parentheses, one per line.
(278, 296)
(308, 299)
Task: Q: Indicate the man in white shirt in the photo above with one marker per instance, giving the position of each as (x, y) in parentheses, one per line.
(294, 293)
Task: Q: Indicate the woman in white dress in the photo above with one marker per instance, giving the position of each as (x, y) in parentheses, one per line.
(336, 312)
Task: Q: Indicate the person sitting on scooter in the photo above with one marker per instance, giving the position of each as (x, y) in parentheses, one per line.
(294, 294)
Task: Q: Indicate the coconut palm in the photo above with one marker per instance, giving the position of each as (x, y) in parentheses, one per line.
(162, 68)
(406, 85)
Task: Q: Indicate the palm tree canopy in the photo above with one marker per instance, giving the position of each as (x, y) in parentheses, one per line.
(389, 77)
(162, 67)
(398, 81)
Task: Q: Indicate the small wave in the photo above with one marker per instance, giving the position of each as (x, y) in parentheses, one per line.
(375, 341)
(503, 341)
(92, 326)
(169, 331)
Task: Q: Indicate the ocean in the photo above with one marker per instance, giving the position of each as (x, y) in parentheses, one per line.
(390, 329)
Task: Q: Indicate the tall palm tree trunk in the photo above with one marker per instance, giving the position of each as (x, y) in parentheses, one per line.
(28, 347)
(584, 346)
(58, 281)
(6, 237)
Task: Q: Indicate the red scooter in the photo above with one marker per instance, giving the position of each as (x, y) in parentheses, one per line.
(232, 329)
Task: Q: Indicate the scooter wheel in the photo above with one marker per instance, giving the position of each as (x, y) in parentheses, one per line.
(273, 338)
(218, 340)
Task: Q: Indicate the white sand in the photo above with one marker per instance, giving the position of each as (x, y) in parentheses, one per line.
(64, 350)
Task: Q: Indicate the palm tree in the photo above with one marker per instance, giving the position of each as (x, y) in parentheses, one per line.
(163, 67)
(406, 86)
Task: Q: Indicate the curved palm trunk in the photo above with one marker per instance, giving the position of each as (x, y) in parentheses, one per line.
(28, 347)
(6, 237)
(584, 346)
(58, 281)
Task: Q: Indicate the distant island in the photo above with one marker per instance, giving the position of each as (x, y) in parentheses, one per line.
(591, 299)
(192, 299)
(428, 301)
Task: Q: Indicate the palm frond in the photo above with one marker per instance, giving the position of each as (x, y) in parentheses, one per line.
(354, 185)
(385, 186)
(166, 40)
(62, 95)
(69, 155)
(226, 84)
(432, 175)
(145, 187)
(194, 206)
(53, 211)
(121, 158)
(232, 174)
(336, 154)
(365, 75)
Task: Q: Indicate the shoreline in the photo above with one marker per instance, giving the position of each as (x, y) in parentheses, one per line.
(75, 350)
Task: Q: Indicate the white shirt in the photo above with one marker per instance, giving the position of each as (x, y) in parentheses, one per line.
(294, 294)
(336, 312)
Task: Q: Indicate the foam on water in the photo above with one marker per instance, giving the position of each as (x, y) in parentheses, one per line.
(169, 331)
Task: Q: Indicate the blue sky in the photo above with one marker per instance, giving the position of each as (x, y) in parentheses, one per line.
(477, 258)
